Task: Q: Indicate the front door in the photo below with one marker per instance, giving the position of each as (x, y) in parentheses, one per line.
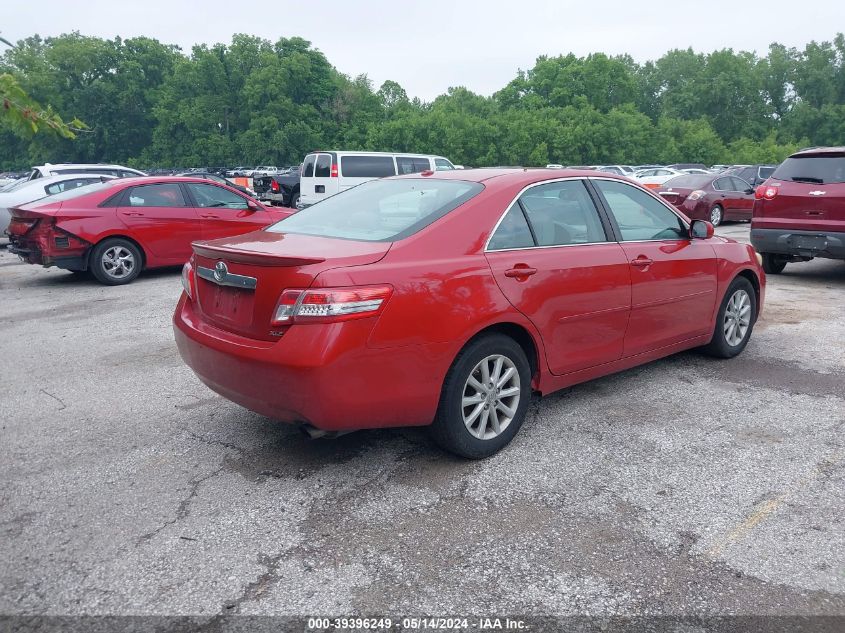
(552, 258)
(224, 213)
(673, 277)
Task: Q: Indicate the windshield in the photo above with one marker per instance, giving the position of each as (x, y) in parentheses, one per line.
(812, 169)
(690, 181)
(380, 210)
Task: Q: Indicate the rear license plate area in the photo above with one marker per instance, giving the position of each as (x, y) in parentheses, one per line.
(232, 305)
(809, 242)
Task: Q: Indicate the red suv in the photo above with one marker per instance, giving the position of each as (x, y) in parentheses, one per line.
(799, 213)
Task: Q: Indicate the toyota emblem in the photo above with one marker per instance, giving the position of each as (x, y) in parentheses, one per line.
(220, 271)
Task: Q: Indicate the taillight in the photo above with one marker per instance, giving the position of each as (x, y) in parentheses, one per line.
(334, 170)
(327, 305)
(695, 195)
(188, 279)
(274, 185)
(765, 192)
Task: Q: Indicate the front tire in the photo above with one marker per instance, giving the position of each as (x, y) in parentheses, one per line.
(484, 399)
(115, 262)
(717, 215)
(773, 264)
(735, 320)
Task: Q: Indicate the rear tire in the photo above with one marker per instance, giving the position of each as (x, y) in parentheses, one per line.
(115, 262)
(735, 320)
(717, 215)
(484, 398)
(773, 264)
(293, 200)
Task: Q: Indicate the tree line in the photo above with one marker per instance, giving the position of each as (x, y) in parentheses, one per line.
(253, 101)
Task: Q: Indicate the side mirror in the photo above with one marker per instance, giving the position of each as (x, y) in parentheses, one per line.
(252, 205)
(700, 230)
(749, 191)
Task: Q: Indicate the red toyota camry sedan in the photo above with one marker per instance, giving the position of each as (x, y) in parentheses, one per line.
(115, 229)
(447, 298)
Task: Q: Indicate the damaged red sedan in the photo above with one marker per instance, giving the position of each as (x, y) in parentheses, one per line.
(115, 229)
(447, 298)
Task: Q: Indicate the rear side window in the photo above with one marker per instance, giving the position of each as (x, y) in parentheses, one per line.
(161, 195)
(308, 166)
(562, 214)
(812, 169)
(739, 184)
(512, 232)
(323, 166)
(367, 166)
(380, 210)
(411, 164)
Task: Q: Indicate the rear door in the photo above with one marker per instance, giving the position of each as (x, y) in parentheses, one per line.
(325, 177)
(355, 169)
(158, 216)
(223, 213)
(673, 278)
(552, 258)
(307, 193)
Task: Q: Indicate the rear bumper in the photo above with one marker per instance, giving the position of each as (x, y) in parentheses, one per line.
(33, 255)
(269, 196)
(803, 244)
(322, 375)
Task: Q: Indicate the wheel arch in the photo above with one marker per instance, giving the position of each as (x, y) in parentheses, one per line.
(119, 236)
(521, 335)
(752, 277)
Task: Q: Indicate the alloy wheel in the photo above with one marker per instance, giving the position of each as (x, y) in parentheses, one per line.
(118, 262)
(490, 397)
(716, 216)
(737, 317)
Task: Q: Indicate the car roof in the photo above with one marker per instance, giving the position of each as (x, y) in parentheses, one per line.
(821, 151)
(83, 165)
(508, 176)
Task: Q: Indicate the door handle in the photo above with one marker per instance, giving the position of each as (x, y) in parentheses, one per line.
(134, 214)
(642, 261)
(520, 270)
(209, 216)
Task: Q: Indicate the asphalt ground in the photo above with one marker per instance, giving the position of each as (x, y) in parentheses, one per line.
(689, 486)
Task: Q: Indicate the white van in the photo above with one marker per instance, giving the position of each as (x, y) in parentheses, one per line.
(327, 173)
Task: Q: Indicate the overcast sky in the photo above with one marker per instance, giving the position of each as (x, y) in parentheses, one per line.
(430, 45)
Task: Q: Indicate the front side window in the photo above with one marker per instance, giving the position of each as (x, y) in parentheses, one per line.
(441, 164)
(562, 214)
(323, 166)
(160, 195)
(367, 166)
(380, 210)
(639, 216)
(208, 196)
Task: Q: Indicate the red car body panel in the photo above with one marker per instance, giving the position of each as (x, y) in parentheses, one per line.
(586, 313)
(163, 233)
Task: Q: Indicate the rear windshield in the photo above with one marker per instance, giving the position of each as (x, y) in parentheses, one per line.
(367, 166)
(691, 181)
(812, 169)
(380, 210)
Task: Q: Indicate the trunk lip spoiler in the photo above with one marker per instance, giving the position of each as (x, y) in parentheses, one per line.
(253, 257)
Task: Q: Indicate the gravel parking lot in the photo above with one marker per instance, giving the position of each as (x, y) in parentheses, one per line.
(688, 486)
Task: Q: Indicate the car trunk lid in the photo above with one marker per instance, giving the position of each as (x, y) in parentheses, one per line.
(254, 269)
